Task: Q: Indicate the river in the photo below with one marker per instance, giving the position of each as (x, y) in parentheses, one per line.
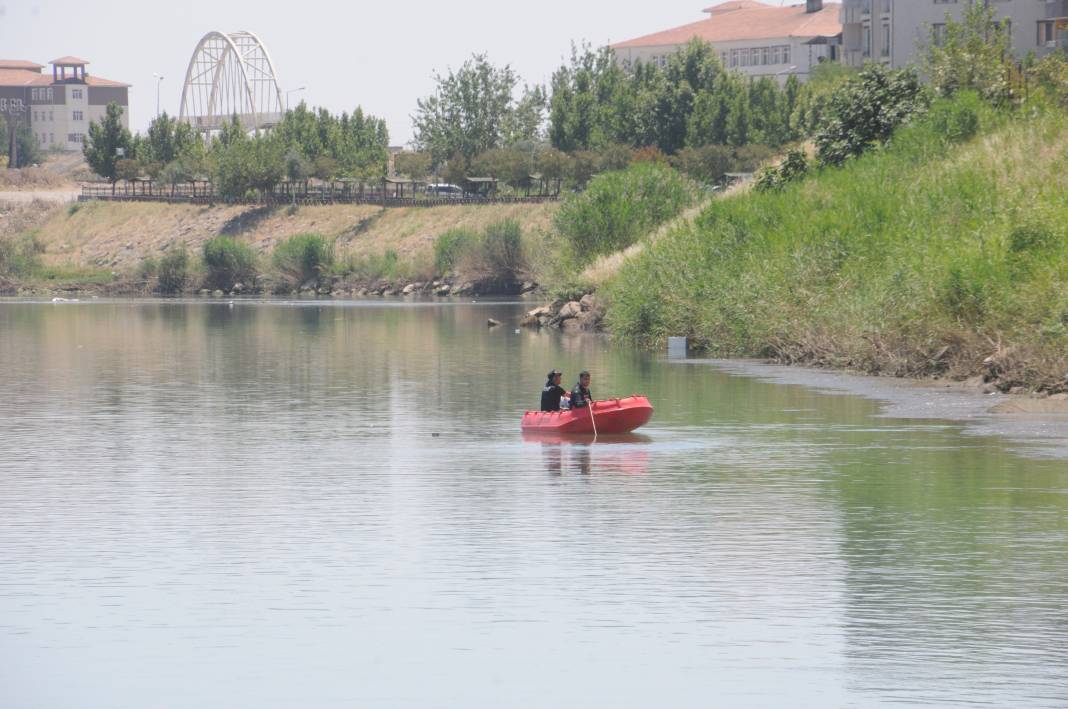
(329, 504)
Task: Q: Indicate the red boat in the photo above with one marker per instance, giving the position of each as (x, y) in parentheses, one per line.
(611, 416)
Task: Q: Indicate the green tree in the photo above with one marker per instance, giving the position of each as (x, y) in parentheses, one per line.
(414, 165)
(104, 143)
(468, 112)
(866, 111)
(29, 150)
(974, 53)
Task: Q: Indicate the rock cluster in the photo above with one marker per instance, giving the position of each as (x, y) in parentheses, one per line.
(583, 315)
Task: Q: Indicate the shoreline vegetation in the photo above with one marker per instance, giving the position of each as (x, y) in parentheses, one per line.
(897, 227)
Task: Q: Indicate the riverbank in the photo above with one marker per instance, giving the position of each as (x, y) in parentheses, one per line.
(928, 258)
(101, 247)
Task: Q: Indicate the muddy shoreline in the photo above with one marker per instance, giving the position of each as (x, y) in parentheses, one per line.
(1032, 426)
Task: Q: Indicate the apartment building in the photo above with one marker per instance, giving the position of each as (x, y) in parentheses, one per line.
(895, 32)
(751, 37)
(58, 106)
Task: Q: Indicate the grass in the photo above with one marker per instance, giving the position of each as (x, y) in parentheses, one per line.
(927, 257)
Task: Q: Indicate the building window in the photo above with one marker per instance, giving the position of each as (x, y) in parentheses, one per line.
(886, 7)
(1045, 33)
(886, 40)
(866, 46)
(50, 116)
(77, 115)
(51, 138)
(49, 94)
(76, 93)
(938, 33)
(734, 57)
(75, 138)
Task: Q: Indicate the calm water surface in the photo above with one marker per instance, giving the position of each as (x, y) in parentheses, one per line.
(330, 505)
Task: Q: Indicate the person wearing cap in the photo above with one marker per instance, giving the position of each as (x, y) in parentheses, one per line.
(552, 393)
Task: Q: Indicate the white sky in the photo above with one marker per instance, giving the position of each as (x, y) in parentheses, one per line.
(378, 55)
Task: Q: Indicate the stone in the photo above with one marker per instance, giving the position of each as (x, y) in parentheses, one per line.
(408, 289)
(324, 291)
(571, 326)
(569, 310)
(492, 323)
(237, 288)
(1059, 397)
(543, 312)
(587, 302)
(310, 285)
(527, 286)
(1018, 390)
(443, 289)
(531, 321)
(217, 293)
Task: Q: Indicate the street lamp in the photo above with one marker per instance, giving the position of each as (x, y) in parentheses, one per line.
(159, 80)
(292, 91)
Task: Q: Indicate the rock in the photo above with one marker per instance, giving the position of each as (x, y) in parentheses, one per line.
(528, 286)
(975, 382)
(587, 302)
(362, 293)
(217, 293)
(492, 323)
(989, 389)
(337, 293)
(569, 310)
(443, 289)
(203, 291)
(1059, 397)
(237, 288)
(530, 321)
(408, 289)
(1018, 390)
(571, 325)
(310, 285)
(324, 291)
(388, 291)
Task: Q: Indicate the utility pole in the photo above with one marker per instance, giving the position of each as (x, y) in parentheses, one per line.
(159, 80)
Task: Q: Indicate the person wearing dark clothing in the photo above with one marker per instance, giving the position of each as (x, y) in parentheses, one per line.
(580, 395)
(553, 392)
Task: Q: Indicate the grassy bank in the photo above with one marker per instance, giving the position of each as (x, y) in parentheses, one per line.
(99, 243)
(927, 257)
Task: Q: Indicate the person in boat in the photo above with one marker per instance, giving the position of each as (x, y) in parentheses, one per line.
(552, 394)
(580, 395)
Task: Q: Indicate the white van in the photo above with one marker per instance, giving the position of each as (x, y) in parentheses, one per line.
(444, 190)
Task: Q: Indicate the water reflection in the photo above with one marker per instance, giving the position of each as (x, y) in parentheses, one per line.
(311, 503)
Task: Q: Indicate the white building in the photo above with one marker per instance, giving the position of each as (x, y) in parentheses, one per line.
(896, 32)
(58, 106)
(751, 37)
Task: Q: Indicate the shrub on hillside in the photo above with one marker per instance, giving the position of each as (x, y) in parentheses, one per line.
(866, 111)
(496, 252)
(172, 273)
(793, 168)
(18, 255)
(956, 120)
(303, 258)
(450, 246)
(618, 208)
(228, 261)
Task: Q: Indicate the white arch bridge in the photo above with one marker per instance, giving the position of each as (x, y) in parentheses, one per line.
(230, 74)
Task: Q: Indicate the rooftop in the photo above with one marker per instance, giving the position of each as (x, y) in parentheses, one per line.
(744, 20)
(23, 77)
(69, 61)
(21, 65)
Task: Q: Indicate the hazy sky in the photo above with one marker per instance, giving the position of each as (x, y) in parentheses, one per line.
(378, 55)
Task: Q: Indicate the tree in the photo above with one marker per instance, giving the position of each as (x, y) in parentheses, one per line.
(866, 111)
(104, 142)
(414, 165)
(29, 150)
(525, 122)
(974, 54)
(468, 112)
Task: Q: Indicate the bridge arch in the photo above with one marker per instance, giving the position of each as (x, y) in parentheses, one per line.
(228, 74)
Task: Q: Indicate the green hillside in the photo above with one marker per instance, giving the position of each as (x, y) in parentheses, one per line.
(923, 257)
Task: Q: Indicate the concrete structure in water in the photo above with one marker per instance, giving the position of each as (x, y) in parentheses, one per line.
(58, 106)
(751, 37)
(895, 32)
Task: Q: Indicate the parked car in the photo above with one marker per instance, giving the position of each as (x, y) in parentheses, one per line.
(444, 190)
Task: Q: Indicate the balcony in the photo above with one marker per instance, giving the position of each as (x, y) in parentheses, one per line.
(1057, 9)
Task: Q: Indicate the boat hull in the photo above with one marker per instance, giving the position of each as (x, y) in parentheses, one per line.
(611, 416)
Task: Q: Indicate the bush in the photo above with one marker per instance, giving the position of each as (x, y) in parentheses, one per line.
(496, 252)
(866, 111)
(18, 255)
(303, 258)
(956, 120)
(373, 266)
(619, 207)
(794, 167)
(228, 261)
(173, 270)
(450, 246)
